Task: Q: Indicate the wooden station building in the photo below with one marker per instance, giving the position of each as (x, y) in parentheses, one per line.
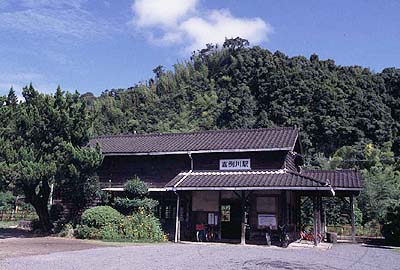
(238, 181)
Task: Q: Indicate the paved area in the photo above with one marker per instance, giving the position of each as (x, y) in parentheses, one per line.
(211, 256)
(17, 243)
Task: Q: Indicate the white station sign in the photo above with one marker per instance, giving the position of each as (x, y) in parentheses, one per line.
(234, 164)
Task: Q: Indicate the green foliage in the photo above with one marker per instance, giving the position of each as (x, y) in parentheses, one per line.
(100, 216)
(237, 86)
(391, 227)
(43, 143)
(135, 191)
(136, 188)
(7, 200)
(104, 222)
(142, 225)
(379, 200)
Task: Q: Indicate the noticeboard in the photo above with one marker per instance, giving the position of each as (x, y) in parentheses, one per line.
(267, 220)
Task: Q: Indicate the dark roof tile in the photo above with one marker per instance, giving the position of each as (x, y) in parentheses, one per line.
(217, 140)
(337, 178)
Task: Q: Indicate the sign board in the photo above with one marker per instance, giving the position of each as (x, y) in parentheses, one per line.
(265, 220)
(234, 164)
(212, 219)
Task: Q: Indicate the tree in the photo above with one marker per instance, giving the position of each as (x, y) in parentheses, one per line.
(46, 147)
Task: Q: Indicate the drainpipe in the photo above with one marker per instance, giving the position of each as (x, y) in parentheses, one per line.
(177, 223)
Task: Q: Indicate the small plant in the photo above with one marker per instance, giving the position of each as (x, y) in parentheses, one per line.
(136, 192)
(66, 231)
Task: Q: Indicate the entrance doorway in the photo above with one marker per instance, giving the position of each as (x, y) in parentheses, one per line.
(230, 220)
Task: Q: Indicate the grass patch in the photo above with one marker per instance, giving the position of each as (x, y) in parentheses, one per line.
(8, 224)
(132, 242)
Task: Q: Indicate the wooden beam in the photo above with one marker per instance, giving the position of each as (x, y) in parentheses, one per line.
(177, 223)
(353, 227)
(243, 209)
(315, 221)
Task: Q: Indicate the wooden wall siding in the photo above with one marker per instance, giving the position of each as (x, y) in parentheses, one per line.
(155, 170)
(259, 160)
(159, 170)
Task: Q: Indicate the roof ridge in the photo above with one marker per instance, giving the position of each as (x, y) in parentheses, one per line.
(332, 170)
(195, 132)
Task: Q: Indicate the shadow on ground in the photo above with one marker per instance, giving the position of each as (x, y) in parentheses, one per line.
(6, 233)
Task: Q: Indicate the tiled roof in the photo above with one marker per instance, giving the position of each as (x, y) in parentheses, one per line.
(268, 179)
(337, 178)
(243, 179)
(267, 139)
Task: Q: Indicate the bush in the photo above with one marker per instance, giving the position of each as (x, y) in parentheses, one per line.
(136, 188)
(101, 216)
(135, 198)
(7, 200)
(104, 222)
(142, 226)
(86, 232)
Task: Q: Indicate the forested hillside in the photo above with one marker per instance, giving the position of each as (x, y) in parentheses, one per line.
(237, 86)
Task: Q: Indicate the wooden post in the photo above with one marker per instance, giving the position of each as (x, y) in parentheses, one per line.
(320, 216)
(243, 207)
(177, 225)
(315, 221)
(353, 227)
(219, 216)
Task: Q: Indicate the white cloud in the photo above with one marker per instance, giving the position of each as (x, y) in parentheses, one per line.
(220, 24)
(161, 13)
(182, 22)
(62, 19)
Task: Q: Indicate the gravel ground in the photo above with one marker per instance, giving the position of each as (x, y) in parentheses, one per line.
(17, 243)
(211, 256)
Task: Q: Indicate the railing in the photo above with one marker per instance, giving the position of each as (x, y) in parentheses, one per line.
(12, 215)
(112, 184)
(344, 231)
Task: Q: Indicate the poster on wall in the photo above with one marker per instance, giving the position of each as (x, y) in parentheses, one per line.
(267, 220)
(211, 219)
(225, 213)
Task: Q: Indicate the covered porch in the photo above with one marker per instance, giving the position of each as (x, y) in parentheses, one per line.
(239, 207)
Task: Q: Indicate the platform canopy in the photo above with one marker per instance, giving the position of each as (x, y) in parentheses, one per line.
(321, 180)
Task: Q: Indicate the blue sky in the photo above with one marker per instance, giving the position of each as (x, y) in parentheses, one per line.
(93, 45)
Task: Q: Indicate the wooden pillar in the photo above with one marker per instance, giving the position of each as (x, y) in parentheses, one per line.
(177, 223)
(315, 221)
(353, 227)
(219, 216)
(320, 216)
(243, 208)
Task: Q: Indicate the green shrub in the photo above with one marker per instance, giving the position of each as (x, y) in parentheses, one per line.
(86, 232)
(101, 216)
(7, 200)
(104, 222)
(136, 188)
(142, 226)
(136, 192)
(67, 230)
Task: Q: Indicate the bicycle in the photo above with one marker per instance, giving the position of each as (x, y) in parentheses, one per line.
(284, 238)
(309, 236)
(205, 233)
(268, 236)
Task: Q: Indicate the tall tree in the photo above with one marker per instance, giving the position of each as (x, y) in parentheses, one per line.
(47, 146)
